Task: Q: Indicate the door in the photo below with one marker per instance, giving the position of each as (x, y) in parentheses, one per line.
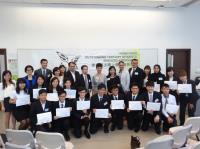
(179, 59)
(3, 62)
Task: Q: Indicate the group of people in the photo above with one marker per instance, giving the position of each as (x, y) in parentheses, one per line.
(134, 84)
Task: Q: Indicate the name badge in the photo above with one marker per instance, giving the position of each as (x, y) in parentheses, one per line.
(46, 109)
(105, 103)
(136, 73)
(160, 78)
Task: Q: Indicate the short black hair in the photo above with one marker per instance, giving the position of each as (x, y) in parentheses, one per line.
(169, 69)
(81, 88)
(28, 66)
(83, 66)
(43, 60)
(121, 62)
(134, 60)
(165, 85)
(71, 63)
(61, 92)
(99, 65)
(62, 66)
(67, 79)
(150, 83)
(42, 91)
(134, 84)
(101, 86)
(114, 87)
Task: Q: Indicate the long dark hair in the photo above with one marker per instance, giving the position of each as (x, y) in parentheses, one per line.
(43, 85)
(19, 81)
(4, 81)
(156, 65)
(111, 67)
(51, 86)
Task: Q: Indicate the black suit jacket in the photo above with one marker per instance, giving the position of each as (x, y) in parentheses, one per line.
(36, 108)
(47, 76)
(103, 104)
(76, 83)
(82, 81)
(78, 113)
(137, 76)
(157, 77)
(156, 98)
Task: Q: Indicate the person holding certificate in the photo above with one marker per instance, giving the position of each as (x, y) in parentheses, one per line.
(61, 122)
(151, 116)
(169, 119)
(54, 86)
(134, 117)
(100, 101)
(81, 117)
(187, 99)
(21, 100)
(117, 114)
(40, 84)
(39, 107)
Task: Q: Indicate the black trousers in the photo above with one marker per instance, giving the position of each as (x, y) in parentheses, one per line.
(96, 123)
(78, 123)
(117, 118)
(167, 125)
(183, 105)
(149, 118)
(61, 125)
(134, 119)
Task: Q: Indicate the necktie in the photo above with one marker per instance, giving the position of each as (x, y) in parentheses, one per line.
(115, 97)
(100, 99)
(166, 102)
(133, 98)
(151, 98)
(62, 105)
(86, 82)
(43, 72)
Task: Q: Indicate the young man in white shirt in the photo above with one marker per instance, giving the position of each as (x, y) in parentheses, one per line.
(169, 119)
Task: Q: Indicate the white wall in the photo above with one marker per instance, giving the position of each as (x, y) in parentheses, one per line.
(43, 27)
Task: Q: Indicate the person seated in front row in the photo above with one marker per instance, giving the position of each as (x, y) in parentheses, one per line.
(100, 101)
(169, 119)
(81, 117)
(40, 106)
(117, 114)
(61, 124)
(150, 116)
(134, 117)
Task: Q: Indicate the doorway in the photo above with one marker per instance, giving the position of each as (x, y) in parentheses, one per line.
(3, 62)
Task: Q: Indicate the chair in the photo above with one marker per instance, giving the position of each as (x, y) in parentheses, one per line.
(14, 146)
(195, 121)
(181, 135)
(47, 140)
(162, 142)
(21, 137)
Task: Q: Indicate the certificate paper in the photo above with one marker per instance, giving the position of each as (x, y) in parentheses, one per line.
(185, 88)
(117, 104)
(153, 106)
(135, 105)
(63, 112)
(156, 87)
(36, 91)
(22, 100)
(83, 105)
(101, 113)
(172, 109)
(172, 84)
(70, 93)
(43, 118)
(52, 97)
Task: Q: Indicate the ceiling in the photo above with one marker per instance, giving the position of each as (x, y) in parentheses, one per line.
(130, 3)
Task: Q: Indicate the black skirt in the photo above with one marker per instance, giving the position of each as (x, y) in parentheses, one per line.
(8, 107)
(21, 112)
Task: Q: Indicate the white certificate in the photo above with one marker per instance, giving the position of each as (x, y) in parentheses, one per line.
(185, 88)
(198, 87)
(36, 91)
(156, 87)
(70, 93)
(135, 105)
(43, 118)
(52, 97)
(153, 106)
(83, 105)
(101, 113)
(22, 100)
(63, 112)
(172, 109)
(172, 84)
(117, 104)
(1, 92)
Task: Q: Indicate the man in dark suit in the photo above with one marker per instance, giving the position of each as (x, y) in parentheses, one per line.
(73, 75)
(61, 125)
(40, 106)
(47, 73)
(81, 117)
(99, 101)
(187, 99)
(136, 73)
(153, 117)
(85, 80)
(134, 118)
(117, 114)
